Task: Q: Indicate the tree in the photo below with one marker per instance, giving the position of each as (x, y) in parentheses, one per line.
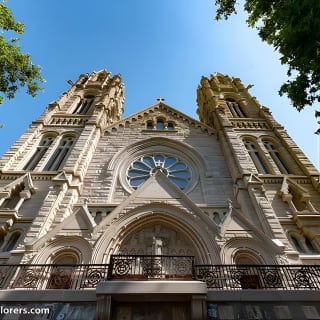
(292, 27)
(16, 68)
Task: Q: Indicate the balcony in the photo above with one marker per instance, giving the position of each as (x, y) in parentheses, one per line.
(157, 268)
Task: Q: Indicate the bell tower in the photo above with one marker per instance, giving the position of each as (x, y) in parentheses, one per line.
(54, 154)
(66, 134)
(268, 169)
(225, 104)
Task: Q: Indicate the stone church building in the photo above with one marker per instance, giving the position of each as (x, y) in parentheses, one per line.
(158, 215)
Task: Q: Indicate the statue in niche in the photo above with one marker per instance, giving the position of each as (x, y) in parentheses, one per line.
(157, 245)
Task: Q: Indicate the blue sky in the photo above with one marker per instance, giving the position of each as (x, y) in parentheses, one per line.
(161, 48)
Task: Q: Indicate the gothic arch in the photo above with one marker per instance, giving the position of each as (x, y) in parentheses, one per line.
(256, 154)
(205, 249)
(277, 152)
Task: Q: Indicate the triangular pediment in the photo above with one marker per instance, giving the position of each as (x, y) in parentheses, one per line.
(158, 189)
(162, 110)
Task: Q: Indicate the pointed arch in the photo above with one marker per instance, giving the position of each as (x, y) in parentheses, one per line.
(58, 158)
(275, 155)
(255, 155)
(41, 150)
(205, 249)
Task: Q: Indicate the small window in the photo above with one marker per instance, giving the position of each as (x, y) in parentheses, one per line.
(170, 126)
(39, 153)
(12, 242)
(296, 243)
(149, 125)
(59, 156)
(255, 156)
(1, 240)
(160, 125)
(310, 246)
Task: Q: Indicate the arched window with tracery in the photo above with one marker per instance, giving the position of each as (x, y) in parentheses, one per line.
(276, 157)
(84, 105)
(57, 159)
(255, 156)
(41, 150)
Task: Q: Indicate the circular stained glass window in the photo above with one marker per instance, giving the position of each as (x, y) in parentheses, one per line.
(141, 169)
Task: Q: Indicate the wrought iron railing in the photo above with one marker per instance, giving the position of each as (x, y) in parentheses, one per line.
(52, 276)
(144, 267)
(151, 267)
(233, 277)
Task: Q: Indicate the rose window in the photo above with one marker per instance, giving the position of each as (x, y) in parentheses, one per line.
(142, 168)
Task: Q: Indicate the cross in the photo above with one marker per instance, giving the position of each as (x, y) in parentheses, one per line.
(160, 99)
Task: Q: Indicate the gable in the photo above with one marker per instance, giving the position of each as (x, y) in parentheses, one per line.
(158, 189)
(160, 118)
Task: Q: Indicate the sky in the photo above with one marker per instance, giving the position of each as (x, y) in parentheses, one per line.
(160, 48)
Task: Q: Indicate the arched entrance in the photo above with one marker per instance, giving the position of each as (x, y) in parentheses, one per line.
(158, 229)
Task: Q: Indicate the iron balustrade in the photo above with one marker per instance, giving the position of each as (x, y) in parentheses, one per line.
(52, 276)
(151, 267)
(235, 277)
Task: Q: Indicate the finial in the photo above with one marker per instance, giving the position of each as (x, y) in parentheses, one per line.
(160, 99)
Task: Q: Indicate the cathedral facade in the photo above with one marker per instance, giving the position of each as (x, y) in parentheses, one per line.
(216, 218)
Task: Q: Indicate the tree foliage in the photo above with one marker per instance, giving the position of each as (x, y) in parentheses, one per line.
(16, 68)
(292, 27)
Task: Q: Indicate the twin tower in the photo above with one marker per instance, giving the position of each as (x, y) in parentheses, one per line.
(82, 185)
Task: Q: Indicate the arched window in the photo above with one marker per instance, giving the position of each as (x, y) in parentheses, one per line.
(12, 242)
(248, 275)
(39, 153)
(84, 105)
(160, 124)
(275, 155)
(62, 274)
(57, 159)
(255, 156)
(235, 108)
